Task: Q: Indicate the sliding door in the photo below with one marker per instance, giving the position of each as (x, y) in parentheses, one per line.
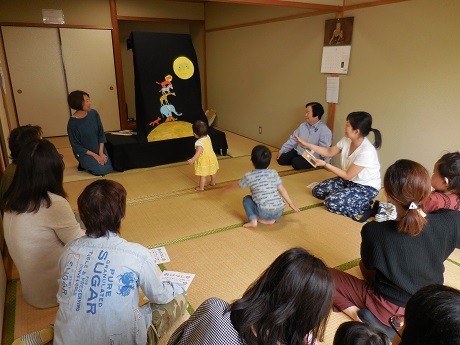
(89, 66)
(37, 76)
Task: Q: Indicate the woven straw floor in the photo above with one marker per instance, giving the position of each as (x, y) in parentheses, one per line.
(203, 232)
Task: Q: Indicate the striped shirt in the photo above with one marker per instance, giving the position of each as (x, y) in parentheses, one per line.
(264, 185)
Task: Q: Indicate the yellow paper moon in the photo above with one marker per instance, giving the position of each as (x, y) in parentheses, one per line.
(183, 67)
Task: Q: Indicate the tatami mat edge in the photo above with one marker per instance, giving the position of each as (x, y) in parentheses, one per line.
(215, 231)
(10, 312)
(180, 192)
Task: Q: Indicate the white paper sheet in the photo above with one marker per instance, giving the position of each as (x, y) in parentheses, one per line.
(332, 92)
(160, 255)
(178, 277)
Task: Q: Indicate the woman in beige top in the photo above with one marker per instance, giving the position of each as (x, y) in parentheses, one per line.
(38, 221)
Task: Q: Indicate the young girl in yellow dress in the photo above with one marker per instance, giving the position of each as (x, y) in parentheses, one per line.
(205, 159)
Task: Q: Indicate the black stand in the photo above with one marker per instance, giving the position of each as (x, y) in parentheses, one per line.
(128, 152)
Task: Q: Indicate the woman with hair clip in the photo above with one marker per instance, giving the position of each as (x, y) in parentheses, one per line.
(38, 221)
(288, 304)
(401, 256)
(358, 181)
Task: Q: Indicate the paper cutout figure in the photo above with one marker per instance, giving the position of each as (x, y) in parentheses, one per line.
(167, 81)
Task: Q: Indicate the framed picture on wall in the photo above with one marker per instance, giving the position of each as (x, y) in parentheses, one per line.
(338, 31)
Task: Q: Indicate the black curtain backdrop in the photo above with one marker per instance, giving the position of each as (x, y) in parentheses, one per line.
(154, 54)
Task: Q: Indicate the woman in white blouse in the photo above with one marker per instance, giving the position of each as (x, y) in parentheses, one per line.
(358, 181)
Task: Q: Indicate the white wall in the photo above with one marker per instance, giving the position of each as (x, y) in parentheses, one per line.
(404, 70)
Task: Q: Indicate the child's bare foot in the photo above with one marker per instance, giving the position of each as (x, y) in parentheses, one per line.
(199, 189)
(266, 221)
(212, 185)
(251, 224)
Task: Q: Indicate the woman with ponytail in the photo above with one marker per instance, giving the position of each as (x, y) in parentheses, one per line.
(398, 257)
(358, 181)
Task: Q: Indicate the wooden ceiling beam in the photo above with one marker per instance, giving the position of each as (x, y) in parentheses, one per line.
(371, 4)
(293, 4)
(271, 20)
(302, 5)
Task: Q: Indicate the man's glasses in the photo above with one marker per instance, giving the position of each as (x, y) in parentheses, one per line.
(396, 322)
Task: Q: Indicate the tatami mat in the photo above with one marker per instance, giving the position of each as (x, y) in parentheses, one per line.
(240, 146)
(60, 142)
(227, 262)
(203, 232)
(157, 221)
(162, 181)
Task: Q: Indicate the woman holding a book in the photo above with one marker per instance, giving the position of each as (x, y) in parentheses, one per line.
(358, 181)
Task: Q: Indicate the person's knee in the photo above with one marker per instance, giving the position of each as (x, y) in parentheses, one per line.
(318, 192)
(300, 163)
(101, 170)
(332, 206)
(284, 159)
(165, 315)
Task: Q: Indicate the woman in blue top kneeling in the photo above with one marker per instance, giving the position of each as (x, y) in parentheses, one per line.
(86, 135)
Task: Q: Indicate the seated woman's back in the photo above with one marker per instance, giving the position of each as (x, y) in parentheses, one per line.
(404, 260)
(409, 253)
(100, 277)
(38, 221)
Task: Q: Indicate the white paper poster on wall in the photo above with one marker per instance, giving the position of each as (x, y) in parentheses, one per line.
(332, 93)
(335, 59)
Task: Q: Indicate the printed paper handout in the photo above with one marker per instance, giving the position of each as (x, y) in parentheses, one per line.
(124, 132)
(178, 277)
(160, 255)
(311, 185)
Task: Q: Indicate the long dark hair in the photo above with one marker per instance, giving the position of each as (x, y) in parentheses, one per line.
(20, 137)
(292, 298)
(39, 170)
(363, 121)
(408, 182)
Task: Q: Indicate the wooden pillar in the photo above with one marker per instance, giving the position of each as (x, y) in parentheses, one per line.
(332, 106)
(118, 66)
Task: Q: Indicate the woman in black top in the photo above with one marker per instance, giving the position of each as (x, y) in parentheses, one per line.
(401, 256)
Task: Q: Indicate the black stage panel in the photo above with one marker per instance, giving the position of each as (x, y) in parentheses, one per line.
(167, 80)
(128, 152)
